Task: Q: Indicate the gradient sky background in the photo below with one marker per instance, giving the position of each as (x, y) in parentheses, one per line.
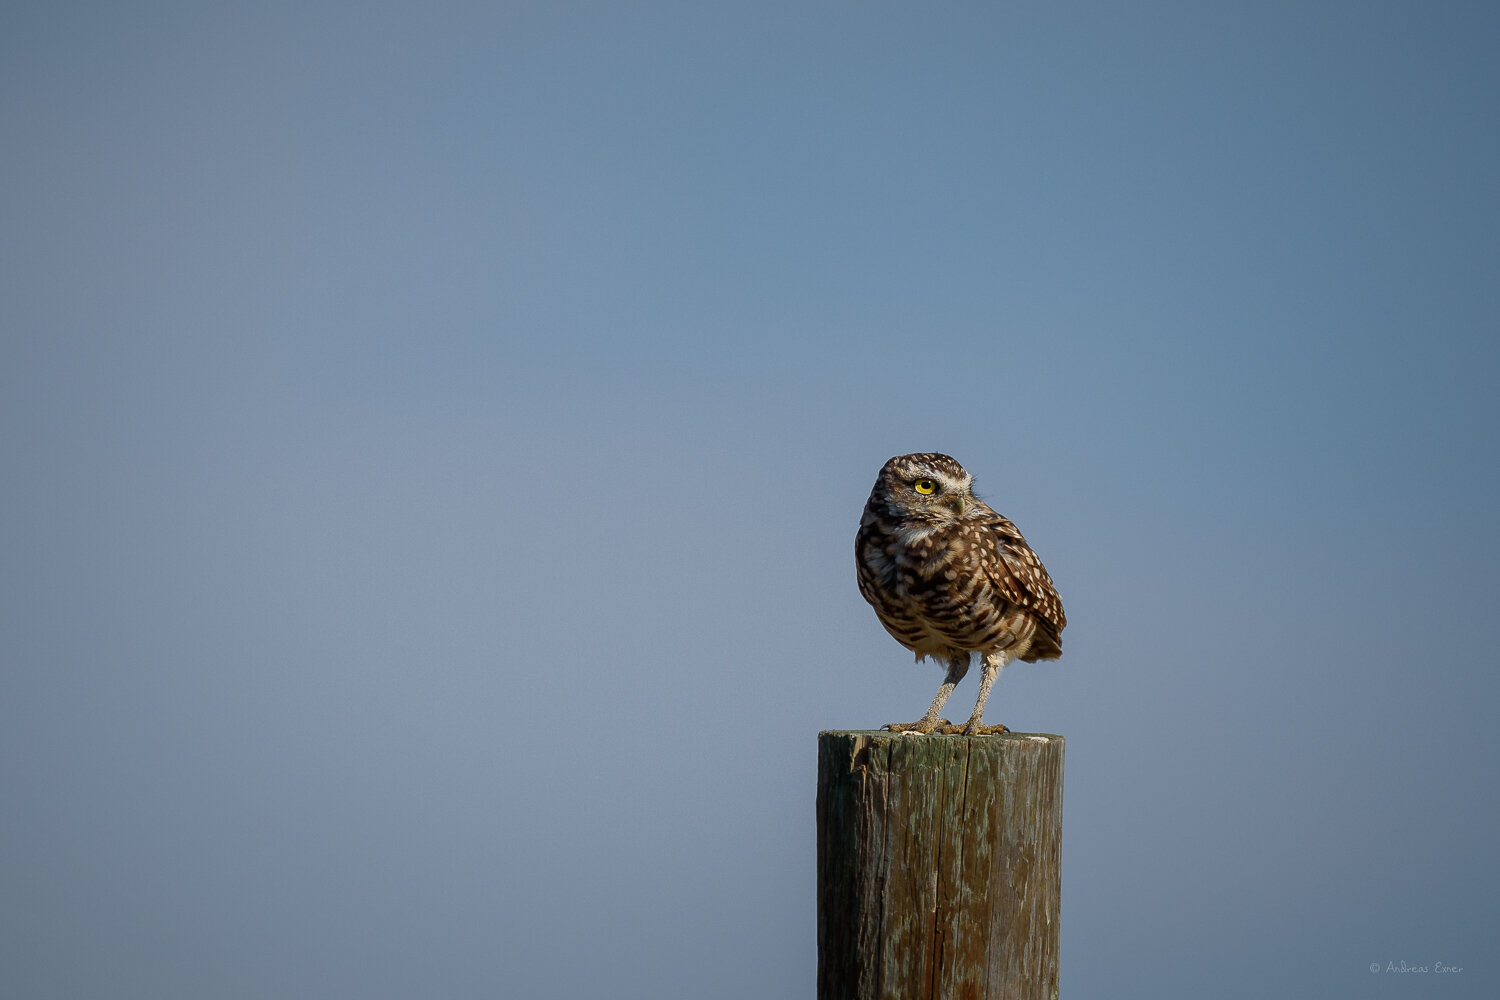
(434, 434)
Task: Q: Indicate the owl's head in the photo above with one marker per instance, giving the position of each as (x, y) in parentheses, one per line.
(927, 487)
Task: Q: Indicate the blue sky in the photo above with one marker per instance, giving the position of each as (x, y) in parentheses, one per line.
(435, 437)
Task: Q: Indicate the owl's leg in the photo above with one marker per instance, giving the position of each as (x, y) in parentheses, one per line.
(993, 664)
(958, 665)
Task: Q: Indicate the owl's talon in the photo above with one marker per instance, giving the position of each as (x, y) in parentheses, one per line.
(972, 728)
(922, 727)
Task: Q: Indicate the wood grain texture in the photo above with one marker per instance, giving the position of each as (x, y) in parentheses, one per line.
(938, 866)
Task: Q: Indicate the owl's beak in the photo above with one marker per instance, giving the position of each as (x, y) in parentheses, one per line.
(958, 502)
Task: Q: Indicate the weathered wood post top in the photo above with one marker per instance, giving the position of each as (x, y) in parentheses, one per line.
(938, 866)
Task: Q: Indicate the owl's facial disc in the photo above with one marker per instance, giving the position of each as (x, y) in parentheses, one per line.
(938, 498)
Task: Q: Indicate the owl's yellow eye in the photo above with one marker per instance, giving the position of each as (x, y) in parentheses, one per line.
(926, 487)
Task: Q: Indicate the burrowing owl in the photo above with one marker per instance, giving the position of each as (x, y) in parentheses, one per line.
(949, 577)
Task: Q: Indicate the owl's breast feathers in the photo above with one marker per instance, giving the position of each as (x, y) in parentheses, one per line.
(970, 584)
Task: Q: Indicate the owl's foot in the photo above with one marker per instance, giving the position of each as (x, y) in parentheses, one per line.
(921, 727)
(972, 728)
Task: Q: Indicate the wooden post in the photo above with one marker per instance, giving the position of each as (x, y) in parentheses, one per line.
(938, 866)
